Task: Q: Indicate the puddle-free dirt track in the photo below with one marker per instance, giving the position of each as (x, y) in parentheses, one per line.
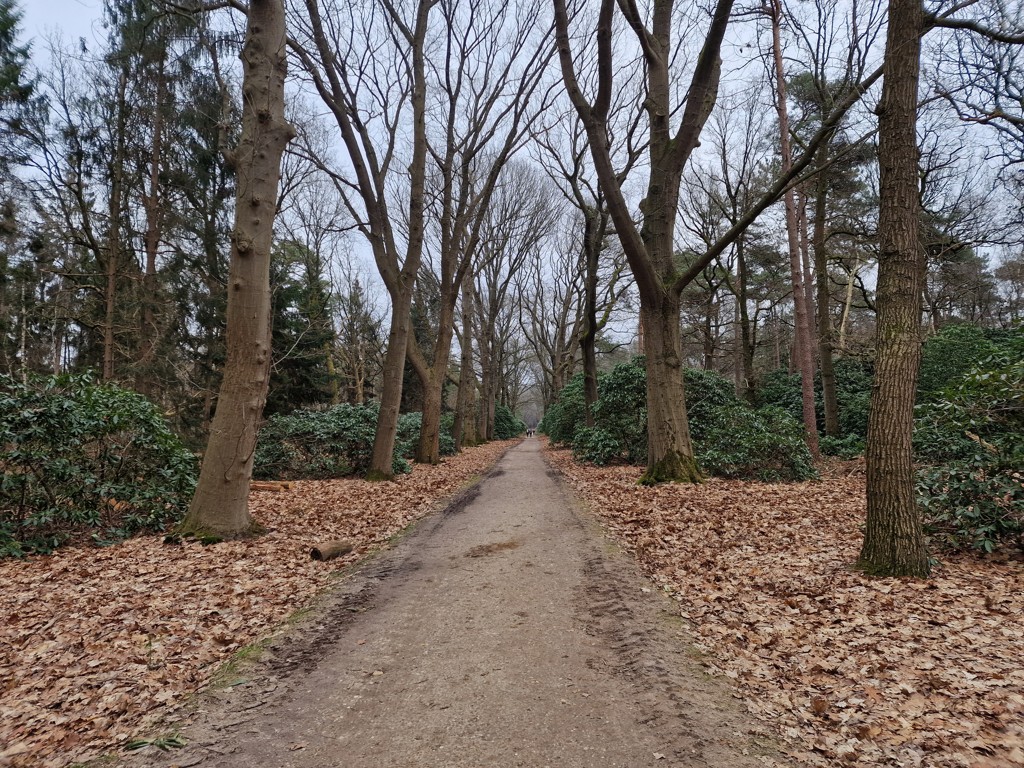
(504, 631)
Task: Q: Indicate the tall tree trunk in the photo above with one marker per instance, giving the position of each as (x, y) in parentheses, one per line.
(332, 371)
(391, 387)
(593, 234)
(650, 249)
(893, 539)
(667, 427)
(153, 205)
(710, 310)
(428, 449)
(828, 376)
(746, 334)
(802, 346)
(464, 426)
(847, 304)
(114, 231)
(220, 507)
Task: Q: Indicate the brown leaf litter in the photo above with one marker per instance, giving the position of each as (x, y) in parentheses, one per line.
(97, 643)
(850, 670)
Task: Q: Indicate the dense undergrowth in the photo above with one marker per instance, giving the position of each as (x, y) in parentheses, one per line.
(80, 458)
(83, 460)
(968, 440)
(731, 438)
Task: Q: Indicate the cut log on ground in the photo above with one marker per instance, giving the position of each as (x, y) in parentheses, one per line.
(330, 550)
(270, 485)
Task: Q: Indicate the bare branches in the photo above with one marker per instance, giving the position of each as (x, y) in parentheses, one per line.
(970, 25)
(783, 182)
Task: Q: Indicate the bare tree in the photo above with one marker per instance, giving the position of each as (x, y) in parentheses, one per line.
(220, 507)
(650, 246)
(494, 64)
(369, 68)
(801, 309)
(523, 211)
(565, 156)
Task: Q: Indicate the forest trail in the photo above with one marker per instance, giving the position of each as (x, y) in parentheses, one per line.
(505, 631)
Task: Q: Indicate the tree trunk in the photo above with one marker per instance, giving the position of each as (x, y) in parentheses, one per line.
(464, 426)
(746, 335)
(710, 311)
(802, 345)
(828, 376)
(391, 388)
(428, 450)
(114, 233)
(667, 427)
(592, 236)
(893, 539)
(220, 507)
(153, 204)
(847, 304)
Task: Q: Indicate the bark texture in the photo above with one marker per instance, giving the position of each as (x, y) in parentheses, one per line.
(893, 539)
(220, 507)
(650, 248)
(668, 427)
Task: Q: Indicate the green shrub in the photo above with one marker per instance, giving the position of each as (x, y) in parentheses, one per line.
(596, 445)
(976, 503)
(79, 457)
(506, 424)
(781, 389)
(948, 355)
(730, 438)
(971, 434)
(853, 396)
(566, 414)
(763, 444)
(847, 447)
(621, 412)
(986, 404)
(322, 444)
(707, 393)
(408, 435)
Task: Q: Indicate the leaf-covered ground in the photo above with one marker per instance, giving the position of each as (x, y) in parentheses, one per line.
(850, 670)
(95, 643)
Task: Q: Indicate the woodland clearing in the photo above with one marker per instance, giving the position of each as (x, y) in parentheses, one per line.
(850, 670)
(98, 642)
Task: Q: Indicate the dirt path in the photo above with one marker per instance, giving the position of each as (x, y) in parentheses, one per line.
(503, 632)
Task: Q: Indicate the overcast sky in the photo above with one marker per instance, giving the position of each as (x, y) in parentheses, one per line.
(71, 18)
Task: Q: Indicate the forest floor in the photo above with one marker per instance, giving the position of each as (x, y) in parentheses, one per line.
(96, 643)
(849, 670)
(507, 631)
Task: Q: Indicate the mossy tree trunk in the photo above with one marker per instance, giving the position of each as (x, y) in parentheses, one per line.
(220, 507)
(650, 248)
(669, 456)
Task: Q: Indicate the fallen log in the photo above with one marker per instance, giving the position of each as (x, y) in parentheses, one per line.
(270, 485)
(331, 550)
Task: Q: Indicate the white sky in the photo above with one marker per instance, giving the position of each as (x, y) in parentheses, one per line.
(70, 18)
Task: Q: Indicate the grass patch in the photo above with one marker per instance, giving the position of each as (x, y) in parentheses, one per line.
(229, 673)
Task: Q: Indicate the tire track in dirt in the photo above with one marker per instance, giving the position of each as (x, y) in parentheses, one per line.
(503, 631)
